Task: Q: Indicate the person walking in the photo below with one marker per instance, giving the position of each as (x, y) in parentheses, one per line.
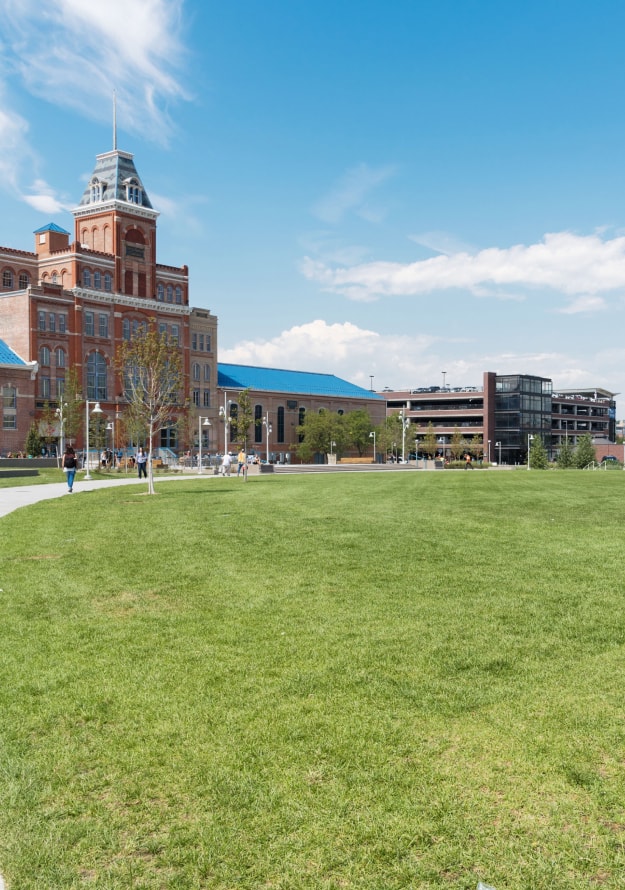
(225, 464)
(240, 462)
(69, 467)
(468, 464)
(142, 463)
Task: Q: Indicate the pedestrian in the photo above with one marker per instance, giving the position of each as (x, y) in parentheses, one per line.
(240, 462)
(142, 463)
(467, 462)
(225, 464)
(69, 467)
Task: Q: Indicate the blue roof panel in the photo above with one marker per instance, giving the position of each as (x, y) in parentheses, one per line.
(51, 227)
(296, 382)
(8, 357)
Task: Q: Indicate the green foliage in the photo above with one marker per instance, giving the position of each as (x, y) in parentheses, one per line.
(314, 711)
(358, 426)
(566, 456)
(33, 443)
(73, 414)
(429, 443)
(458, 445)
(538, 455)
(585, 452)
(242, 420)
(319, 431)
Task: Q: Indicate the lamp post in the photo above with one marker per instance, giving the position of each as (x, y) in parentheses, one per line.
(268, 429)
(371, 384)
(332, 445)
(405, 423)
(372, 436)
(444, 373)
(199, 436)
(530, 438)
(96, 410)
(498, 445)
(416, 452)
(223, 413)
(489, 451)
(111, 426)
(60, 413)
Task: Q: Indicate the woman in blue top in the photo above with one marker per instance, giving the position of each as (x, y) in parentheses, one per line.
(69, 466)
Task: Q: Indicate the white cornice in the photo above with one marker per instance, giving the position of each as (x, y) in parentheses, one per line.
(125, 207)
(132, 302)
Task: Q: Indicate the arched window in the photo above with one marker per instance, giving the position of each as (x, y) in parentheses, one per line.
(178, 295)
(160, 292)
(196, 371)
(44, 356)
(55, 278)
(170, 293)
(258, 424)
(108, 282)
(95, 190)
(125, 329)
(280, 419)
(97, 280)
(7, 278)
(96, 377)
(207, 373)
(59, 357)
(24, 280)
(86, 278)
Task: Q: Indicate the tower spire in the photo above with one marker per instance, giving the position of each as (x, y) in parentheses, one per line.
(114, 120)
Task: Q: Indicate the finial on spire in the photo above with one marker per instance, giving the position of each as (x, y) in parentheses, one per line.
(114, 120)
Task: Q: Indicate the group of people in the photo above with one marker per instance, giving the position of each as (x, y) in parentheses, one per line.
(226, 463)
(70, 464)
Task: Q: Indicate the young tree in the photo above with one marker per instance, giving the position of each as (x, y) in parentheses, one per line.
(47, 425)
(566, 457)
(32, 446)
(429, 443)
(538, 454)
(358, 424)
(242, 420)
(151, 369)
(72, 402)
(457, 446)
(585, 452)
(319, 431)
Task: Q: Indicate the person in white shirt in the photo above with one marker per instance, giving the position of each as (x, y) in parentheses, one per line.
(225, 464)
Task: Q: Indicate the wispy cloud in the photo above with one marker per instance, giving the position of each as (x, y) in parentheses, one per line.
(584, 304)
(74, 53)
(351, 193)
(565, 262)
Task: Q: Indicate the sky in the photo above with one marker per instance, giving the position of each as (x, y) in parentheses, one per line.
(399, 192)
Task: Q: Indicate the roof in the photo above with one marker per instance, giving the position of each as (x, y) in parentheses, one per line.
(114, 170)
(8, 357)
(296, 382)
(51, 227)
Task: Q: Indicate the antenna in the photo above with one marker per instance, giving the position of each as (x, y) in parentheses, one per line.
(114, 120)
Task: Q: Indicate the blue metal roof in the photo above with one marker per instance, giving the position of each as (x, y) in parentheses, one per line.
(51, 227)
(8, 357)
(296, 382)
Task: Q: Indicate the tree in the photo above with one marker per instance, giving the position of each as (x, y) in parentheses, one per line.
(566, 457)
(72, 402)
(389, 434)
(242, 420)
(47, 425)
(476, 446)
(358, 424)
(538, 454)
(151, 369)
(585, 452)
(319, 431)
(32, 446)
(458, 445)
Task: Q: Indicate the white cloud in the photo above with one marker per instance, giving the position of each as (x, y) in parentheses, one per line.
(14, 149)
(562, 261)
(74, 53)
(350, 194)
(584, 304)
(441, 242)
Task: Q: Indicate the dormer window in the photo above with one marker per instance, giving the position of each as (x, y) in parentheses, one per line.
(134, 193)
(96, 190)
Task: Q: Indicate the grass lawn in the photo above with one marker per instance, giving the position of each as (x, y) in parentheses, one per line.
(381, 681)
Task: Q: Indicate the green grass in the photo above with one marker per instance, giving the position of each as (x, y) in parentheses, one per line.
(394, 680)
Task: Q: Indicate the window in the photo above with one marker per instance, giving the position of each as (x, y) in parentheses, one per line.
(196, 371)
(103, 324)
(44, 357)
(59, 357)
(52, 322)
(86, 278)
(300, 420)
(175, 334)
(178, 295)
(194, 342)
(170, 293)
(133, 193)
(44, 387)
(41, 316)
(126, 329)
(60, 387)
(280, 431)
(162, 328)
(96, 377)
(160, 292)
(258, 423)
(196, 398)
(7, 278)
(24, 281)
(62, 324)
(55, 278)
(135, 327)
(108, 282)
(208, 342)
(201, 343)
(9, 408)
(89, 324)
(97, 280)
(207, 398)
(95, 191)
(207, 373)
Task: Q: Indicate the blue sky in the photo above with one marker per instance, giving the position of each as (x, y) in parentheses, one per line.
(390, 189)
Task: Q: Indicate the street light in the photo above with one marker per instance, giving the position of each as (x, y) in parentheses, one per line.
(111, 426)
(489, 451)
(269, 429)
(498, 445)
(444, 373)
(96, 410)
(199, 435)
(372, 436)
(529, 439)
(405, 423)
(61, 416)
(223, 413)
(416, 452)
(332, 444)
